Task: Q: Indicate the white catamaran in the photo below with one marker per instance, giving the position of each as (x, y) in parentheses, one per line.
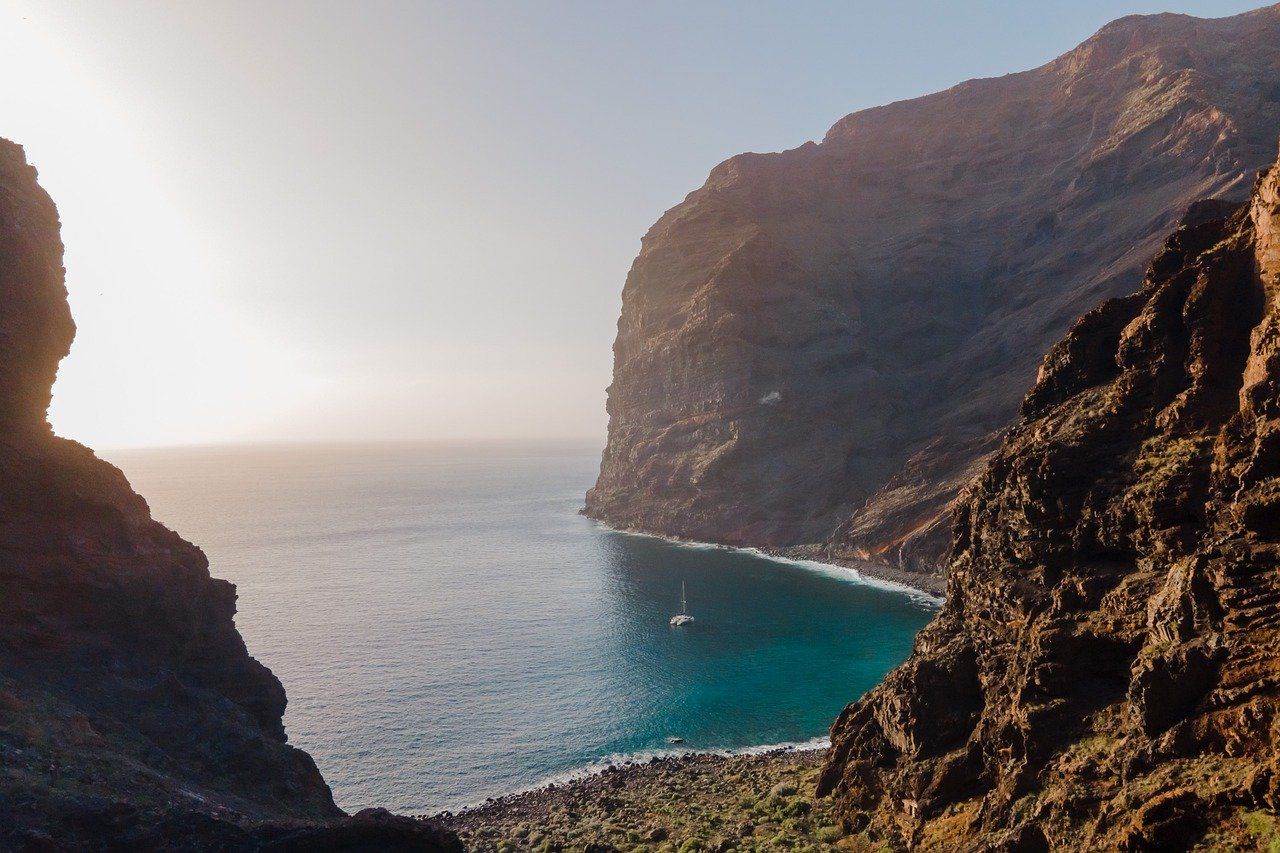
(683, 617)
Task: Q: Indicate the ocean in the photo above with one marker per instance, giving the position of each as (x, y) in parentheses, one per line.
(449, 628)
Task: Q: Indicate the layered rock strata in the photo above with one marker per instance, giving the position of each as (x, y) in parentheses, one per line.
(1105, 673)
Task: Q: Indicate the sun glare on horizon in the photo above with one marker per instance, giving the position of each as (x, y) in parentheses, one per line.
(408, 221)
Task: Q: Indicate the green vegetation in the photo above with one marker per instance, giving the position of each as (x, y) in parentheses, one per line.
(1265, 829)
(698, 803)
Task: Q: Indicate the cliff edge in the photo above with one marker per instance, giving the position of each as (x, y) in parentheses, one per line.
(131, 714)
(820, 347)
(1105, 674)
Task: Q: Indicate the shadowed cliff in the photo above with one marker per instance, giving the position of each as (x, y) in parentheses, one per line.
(1105, 672)
(131, 714)
(821, 346)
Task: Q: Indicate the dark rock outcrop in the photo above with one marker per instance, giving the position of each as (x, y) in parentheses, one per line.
(131, 714)
(823, 345)
(1105, 673)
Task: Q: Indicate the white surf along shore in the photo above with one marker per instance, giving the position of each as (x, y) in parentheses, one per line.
(833, 570)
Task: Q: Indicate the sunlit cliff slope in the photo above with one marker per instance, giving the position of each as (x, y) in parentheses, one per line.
(820, 346)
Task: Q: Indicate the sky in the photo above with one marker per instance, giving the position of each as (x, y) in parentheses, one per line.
(411, 221)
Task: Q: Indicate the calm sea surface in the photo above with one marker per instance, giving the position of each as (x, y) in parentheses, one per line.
(449, 628)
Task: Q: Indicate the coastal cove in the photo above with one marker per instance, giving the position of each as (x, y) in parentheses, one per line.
(938, 505)
(450, 629)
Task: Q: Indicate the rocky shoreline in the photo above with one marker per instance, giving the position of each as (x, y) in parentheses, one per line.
(930, 584)
(690, 802)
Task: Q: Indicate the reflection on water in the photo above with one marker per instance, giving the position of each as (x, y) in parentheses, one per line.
(448, 628)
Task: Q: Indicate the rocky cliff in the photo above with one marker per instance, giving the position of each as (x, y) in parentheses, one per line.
(821, 346)
(1105, 672)
(131, 714)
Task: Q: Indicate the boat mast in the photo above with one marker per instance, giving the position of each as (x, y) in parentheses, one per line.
(684, 608)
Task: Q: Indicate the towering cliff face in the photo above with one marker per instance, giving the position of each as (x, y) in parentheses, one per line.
(131, 714)
(821, 345)
(1105, 672)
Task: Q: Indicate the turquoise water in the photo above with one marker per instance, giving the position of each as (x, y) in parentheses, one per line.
(448, 628)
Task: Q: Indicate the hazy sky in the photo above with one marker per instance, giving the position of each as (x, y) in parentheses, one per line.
(364, 220)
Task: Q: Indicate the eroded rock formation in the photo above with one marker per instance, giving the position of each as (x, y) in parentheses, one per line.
(822, 345)
(1105, 673)
(131, 714)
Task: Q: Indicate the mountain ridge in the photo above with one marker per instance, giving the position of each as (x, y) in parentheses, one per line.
(818, 346)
